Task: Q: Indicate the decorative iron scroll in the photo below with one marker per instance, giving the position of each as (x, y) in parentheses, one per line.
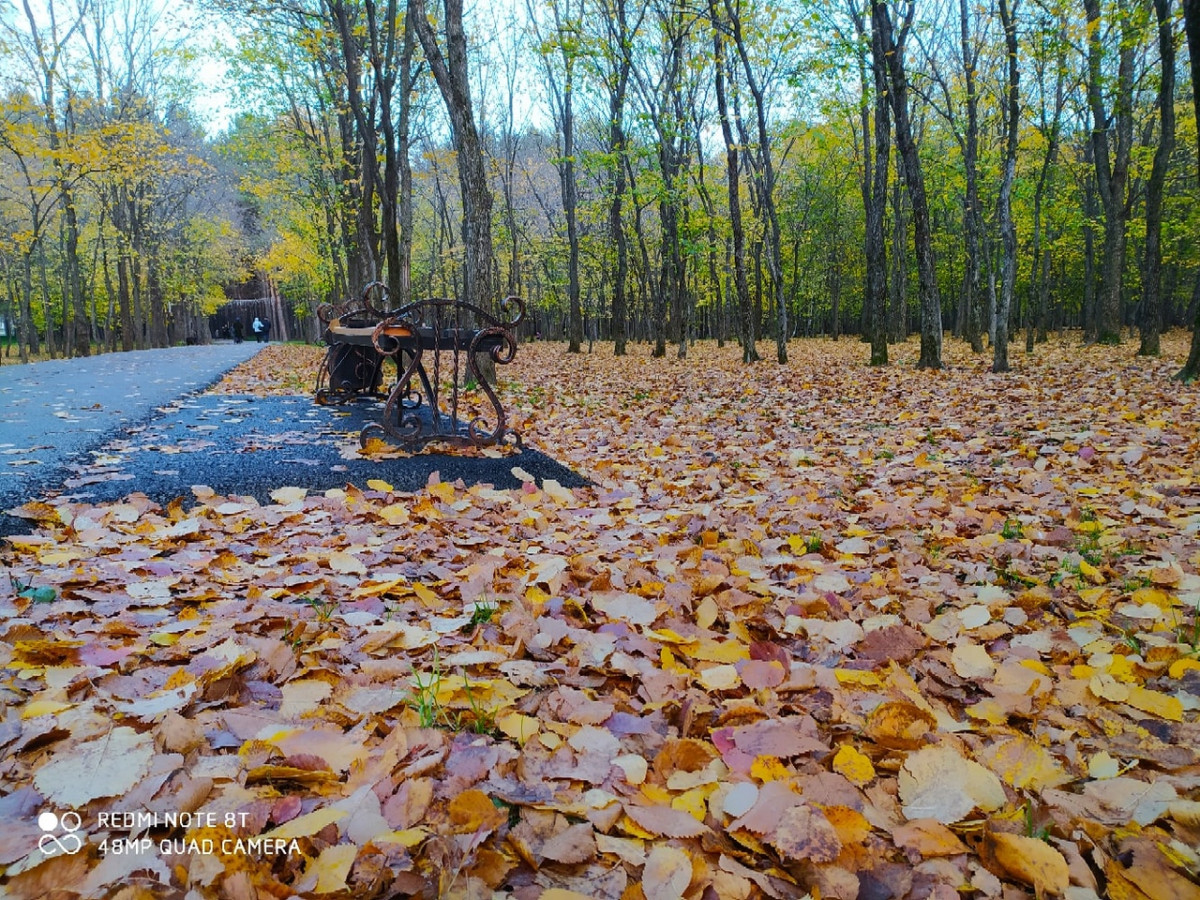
(437, 345)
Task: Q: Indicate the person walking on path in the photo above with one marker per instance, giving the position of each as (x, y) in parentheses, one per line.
(266, 330)
(257, 327)
(237, 331)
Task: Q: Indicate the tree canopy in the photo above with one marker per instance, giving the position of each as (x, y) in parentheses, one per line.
(642, 169)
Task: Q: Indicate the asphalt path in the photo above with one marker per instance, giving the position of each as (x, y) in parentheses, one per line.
(102, 427)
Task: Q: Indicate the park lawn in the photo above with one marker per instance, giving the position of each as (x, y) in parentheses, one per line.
(813, 630)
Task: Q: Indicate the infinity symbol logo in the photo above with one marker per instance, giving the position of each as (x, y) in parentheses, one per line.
(51, 844)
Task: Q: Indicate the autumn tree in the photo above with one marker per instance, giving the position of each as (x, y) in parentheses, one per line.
(1008, 230)
(560, 51)
(614, 64)
(1112, 150)
(660, 86)
(892, 45)
(45, 49)
(764, 171)
(747, 321)
(1151, 311)
(448, 61)
(876, 162)
(1191, 21)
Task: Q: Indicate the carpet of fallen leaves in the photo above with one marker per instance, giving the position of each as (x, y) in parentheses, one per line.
(816, 630)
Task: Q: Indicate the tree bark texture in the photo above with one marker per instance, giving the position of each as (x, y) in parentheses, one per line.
(1191, 23)
(1151, 317)
(1112, 158)
(931, 307)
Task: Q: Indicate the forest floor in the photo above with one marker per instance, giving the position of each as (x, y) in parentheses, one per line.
(816, 630)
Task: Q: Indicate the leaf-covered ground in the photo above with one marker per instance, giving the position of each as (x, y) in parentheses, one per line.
(817, 630)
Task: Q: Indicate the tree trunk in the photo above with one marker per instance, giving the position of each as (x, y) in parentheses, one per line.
(1008, 230)
(1152, 319)
(745, 315)
(453, 80)
(1112, 163)
(619, 83)
(875, 195)
(931, 308)
(898, 283)
(766, 186)
(972, 211)
(1191, 22)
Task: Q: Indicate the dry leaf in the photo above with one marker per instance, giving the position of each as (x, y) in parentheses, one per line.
(105, 767)
(667, 873)
(1032, 862)
(938, 783)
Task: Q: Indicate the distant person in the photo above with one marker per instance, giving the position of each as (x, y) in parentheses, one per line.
(266, 332)
(257, 327)
(237, 331)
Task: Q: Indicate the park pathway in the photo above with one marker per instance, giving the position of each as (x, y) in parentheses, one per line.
(54, 412)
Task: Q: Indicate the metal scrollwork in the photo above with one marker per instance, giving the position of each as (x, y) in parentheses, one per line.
(437, 345)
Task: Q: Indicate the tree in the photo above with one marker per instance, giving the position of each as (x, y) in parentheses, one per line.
(893, 42)
(1191, 23)
(1151, 313)
(47, 58)
(450, 71)
(874, 191)
(1112, 157)
(1008, 230)
(748, 322)
(765, 171)
(1050, 49)
(616, 67)
(560, 52)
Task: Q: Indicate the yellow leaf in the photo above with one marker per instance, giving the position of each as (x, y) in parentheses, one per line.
(1090, 572)
(285, 495)
(856, 767)
(1033, 862)
(990, 711)
(667, 636)
(768, 768)
(851, 826)
(443, 491)
(377, 484)
(395, 514)
(306, 825)
(1157, 704)
(43, 708)
(332, 867)
(1156, 596)
(635, 767)
(857, 677)
(472, 811)
(408, 837)
(693, 802)
(1025, 764)
(518, 727)
(633, 829)
(1185, 812)
(1101, 765)
(720, 651)
(938, 783)
(1182, 665)
(426, 596)
(346, 563)
(719, 678)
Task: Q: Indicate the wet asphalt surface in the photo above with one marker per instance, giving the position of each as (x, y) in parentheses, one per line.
(100, 428)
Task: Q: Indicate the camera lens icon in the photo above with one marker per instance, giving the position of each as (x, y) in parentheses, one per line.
(51, 843)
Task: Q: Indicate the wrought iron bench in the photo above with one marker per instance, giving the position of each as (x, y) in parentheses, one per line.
(437, 345)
